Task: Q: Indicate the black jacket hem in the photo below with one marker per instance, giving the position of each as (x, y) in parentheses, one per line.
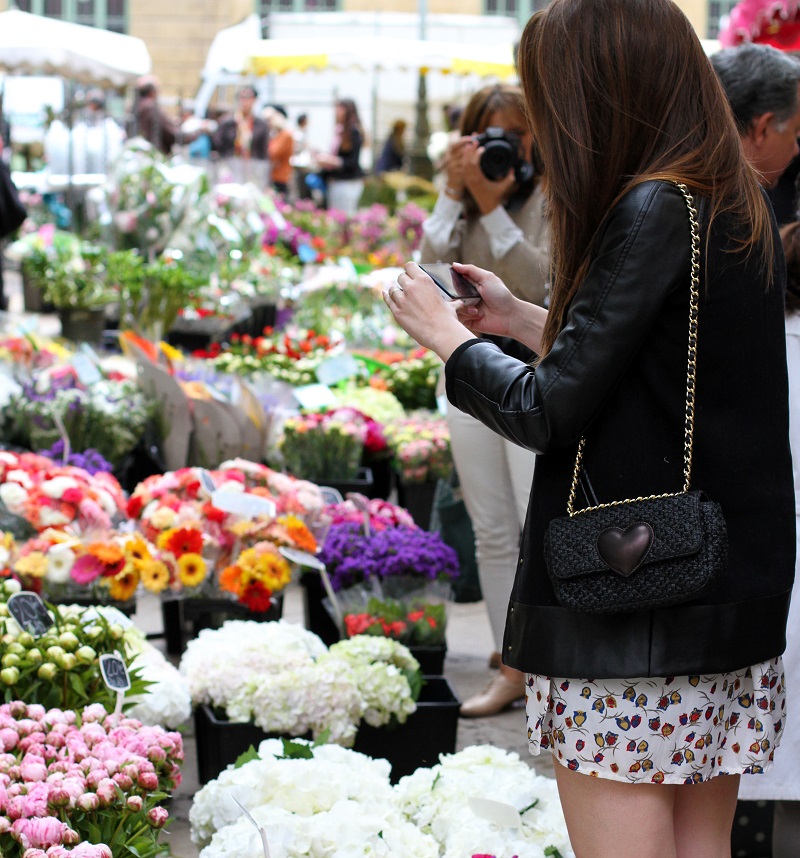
(554, 641)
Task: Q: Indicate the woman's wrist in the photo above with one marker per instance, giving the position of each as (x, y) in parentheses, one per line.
(453, 193)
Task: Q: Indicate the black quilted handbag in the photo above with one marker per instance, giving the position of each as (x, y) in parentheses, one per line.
(647, 552)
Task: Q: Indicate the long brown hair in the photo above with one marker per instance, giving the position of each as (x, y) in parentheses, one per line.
(790, 236)
(621, 92)
(351, 123)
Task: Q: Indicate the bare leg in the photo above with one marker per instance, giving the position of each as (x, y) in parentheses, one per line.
(610, 819)
(704, 817)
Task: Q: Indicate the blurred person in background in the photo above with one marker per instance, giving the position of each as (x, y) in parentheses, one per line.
(340, 167)
(97, 139)
(280, 148)
(244, 134)
(393, 154)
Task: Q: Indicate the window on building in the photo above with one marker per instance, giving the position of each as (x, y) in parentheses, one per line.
(106, 14)
(264, 7)
(718, 9)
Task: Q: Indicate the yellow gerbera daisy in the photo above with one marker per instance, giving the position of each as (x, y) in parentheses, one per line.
(33, 564)
(137, 552)
(123, 586)
(155, 576)
(191, 570)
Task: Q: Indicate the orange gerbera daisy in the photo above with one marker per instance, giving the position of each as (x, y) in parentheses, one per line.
(302, 537)
(108, 553)
(230, 579)
(191, 569)
(124, 584)
(183, 540)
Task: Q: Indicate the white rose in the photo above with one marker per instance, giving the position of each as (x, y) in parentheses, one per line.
(59, 563)
(13, 496)
(19, 476)
(52, 517)
(56, 487)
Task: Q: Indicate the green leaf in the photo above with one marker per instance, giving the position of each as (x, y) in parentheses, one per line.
(323, 738)
(248, 756)
(553, 851)
(296, 751)
(529, 807)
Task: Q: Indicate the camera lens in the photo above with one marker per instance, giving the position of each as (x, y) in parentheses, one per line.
(497, 158)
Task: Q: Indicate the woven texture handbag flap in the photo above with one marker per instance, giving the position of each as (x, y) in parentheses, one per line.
(571, 543)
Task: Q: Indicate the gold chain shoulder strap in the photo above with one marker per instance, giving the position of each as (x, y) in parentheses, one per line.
(691, 371)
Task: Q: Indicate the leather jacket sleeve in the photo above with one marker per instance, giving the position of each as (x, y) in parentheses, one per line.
(643, 252)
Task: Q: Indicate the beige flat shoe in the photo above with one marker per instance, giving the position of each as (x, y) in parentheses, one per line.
(498, 695)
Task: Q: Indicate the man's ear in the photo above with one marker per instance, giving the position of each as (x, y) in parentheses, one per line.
(759, 127)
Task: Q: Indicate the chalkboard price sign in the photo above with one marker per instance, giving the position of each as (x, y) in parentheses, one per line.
(29, 611)
(115, 672)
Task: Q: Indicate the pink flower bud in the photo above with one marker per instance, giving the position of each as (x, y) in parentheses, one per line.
(88, 802)
(156, 754)
(59, 797)
(70, 837)
(107, 792)
(33, 770)
(135, 803)
(148, 780)
(157, 816)
(123, 781)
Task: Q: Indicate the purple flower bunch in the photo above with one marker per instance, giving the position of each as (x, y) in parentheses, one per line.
(90, 460)
(351, 557)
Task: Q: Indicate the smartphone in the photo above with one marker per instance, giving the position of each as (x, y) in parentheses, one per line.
(454, 285)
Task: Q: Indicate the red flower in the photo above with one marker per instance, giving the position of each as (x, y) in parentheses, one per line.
(256, 597)
(185, 541)
(135, 505)
(213, 514)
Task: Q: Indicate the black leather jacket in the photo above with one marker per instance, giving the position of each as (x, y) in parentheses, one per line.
(617, 373)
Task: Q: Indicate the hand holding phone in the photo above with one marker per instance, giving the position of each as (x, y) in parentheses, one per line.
(455, 286)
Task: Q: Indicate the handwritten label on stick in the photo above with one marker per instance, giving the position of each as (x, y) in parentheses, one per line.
(114, 672)
(302, 558)
(245, 505)
(30, 612)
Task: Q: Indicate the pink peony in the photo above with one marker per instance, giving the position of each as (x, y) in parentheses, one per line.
(157, 817)
(39, 833)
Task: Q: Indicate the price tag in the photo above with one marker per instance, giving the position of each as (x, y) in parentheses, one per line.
(30, 612)
(114, 672)
(337, 369)
(245, 505)
(207, 484)
(501, 814)
(109, 613)
(330, 495)
(302, 558)
(87, 372)
(313, 397)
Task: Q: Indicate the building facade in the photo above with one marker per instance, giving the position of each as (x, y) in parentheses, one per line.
(178, 33)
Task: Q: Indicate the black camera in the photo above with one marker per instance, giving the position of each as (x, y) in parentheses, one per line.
(501, 153)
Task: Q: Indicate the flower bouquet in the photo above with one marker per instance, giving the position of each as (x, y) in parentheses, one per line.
(97, 567)
(376, 513)
(420, 448)
(287, 682)
(414, 624)
(41, 494)
(83, 778)
(290, 357)
(329, 801)
(61, 667)
(394, 561)
(109, 416)
(411, 378)
(329, 446)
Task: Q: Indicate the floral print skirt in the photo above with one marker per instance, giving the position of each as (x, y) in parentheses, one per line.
(677, 730)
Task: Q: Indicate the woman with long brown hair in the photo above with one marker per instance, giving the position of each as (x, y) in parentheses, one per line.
(341, 167)
(663, 707)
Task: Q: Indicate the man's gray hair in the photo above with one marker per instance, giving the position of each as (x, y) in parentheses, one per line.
(758, 79)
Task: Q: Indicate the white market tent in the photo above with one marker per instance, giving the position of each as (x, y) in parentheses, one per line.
(33, 44)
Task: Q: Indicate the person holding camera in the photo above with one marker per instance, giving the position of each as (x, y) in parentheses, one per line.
(491, 214)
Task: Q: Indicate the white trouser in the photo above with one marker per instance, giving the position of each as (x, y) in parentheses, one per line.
(496, 478)
(344, 194)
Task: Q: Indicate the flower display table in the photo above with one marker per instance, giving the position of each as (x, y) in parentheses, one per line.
(185, 618)
(428, 732)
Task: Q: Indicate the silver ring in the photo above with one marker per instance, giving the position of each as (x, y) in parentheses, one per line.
(395, 288)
